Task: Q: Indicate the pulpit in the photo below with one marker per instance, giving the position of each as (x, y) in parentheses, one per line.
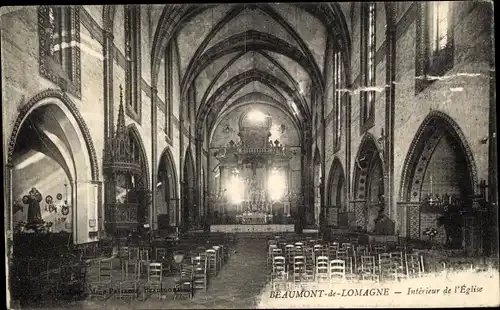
(127, 196)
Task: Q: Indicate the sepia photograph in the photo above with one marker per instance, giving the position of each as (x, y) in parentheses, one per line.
(250, 156)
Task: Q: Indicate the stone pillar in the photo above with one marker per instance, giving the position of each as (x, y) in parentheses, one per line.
(360, 211)
(266, 180)
(108, 115)
(408, 222)
(391, 208)
(108, 85)
(153, 222)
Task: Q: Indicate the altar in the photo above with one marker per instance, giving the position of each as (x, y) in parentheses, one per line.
(256, 228)
(254, 218)
(253, 176)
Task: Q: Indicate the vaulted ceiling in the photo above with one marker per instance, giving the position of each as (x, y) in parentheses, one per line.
(236, 54)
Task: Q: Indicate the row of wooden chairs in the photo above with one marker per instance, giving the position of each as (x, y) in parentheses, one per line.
(48, 277)
(390, 266)
(195, 273)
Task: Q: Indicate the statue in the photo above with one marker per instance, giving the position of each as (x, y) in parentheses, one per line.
(34, 212)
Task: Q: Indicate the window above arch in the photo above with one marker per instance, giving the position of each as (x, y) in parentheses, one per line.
(169, 76)
(368, 64)
(435, 47)
(133, 62)
(59, 46)
(338, 82)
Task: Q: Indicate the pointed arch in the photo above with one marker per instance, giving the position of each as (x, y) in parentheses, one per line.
(62, 99)
(336, 186)
(435, 125)
(67, 134)
(189, 171)
(317, 156)
(189, 210)
(134, 132)
(367, 158)
(167, 164)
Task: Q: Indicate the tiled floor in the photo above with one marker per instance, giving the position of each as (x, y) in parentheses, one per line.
(237, 285)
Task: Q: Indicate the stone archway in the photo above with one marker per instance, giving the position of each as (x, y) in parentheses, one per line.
(335, 197)
(336, 186)
(368, 186)
(189, 209)
(434, 127)
(50, 135)
(439, 164)
(166, 192)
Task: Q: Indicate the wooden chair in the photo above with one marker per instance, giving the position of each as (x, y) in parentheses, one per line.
(163, 258)
(310, 263)
(154, 282)
(102, 288)
(128, 286)
(289, 253)
(299, 268)
(368, 269)
(414, 266)
(341, 254)
(279, 275)
(350, 269)
(399, 266)
(212, 262)
(385, 266)
(200, 278)
(184, 286)
(270, 249)
(337, 270)
(220, 255)
(322, 272)
(123, 252)
(144, 259)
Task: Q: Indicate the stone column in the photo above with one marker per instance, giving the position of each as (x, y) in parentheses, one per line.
(108, 63)
(391, 208)
(108, 86)
(408, 222)
(153, 223)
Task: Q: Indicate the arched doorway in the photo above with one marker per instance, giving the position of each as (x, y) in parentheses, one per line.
(316, 212)
(189, 213)
(51, 161)
(166, 192)
(368, 184)
(439, 166)
(336, 193)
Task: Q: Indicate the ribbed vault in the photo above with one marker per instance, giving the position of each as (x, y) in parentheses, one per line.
(237, 54)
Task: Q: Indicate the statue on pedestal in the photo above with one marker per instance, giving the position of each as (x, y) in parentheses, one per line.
(34, 212)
